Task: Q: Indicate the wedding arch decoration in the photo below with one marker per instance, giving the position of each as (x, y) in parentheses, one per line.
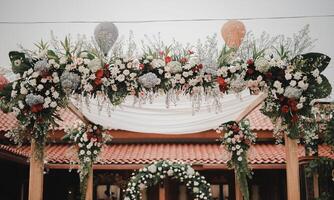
(49, 76)
(89, 139)
(153, 174)
(237, 138)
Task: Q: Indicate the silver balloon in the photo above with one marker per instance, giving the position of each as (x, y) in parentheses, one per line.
(106, 34)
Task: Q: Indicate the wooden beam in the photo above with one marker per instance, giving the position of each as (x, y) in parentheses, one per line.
(238, 194)
(316, 185)
(89, 189)
(251, 107)
(78, 113)
(35, 175)
(292, 168)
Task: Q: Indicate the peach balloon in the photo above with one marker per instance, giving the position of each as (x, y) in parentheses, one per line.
(233, 33)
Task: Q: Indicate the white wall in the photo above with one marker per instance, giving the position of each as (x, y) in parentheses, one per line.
(109, 10)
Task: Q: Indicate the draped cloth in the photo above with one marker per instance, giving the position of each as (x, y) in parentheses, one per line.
(177, 119)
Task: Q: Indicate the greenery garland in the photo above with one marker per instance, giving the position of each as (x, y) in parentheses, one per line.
(89, 139)
(237, 139)
(153, 174)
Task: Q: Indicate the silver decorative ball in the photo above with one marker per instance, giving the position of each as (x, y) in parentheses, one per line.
(106, 34)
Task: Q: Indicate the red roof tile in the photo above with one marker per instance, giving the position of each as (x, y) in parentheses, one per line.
(259, 121)
(147, 153)
(8, 120)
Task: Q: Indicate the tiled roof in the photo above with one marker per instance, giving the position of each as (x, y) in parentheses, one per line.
(8, 121)
(147, 153)
(259, 121)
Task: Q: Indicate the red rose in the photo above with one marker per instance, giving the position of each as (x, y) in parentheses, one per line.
(161, 53)
(200, 66)
(269, 75)
(295, 118)
(183, 60)
(285, 109)
(106, 66)
(98, 81)
(281, 98)
(250, 62)
(250, 71)
(37, 108)
(221, 81)
(168, 59)
(99, 73)
(141, 66)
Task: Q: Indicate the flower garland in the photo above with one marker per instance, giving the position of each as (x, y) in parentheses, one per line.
(154, 173)
(237, 139)
(34, 97)
(90, 140)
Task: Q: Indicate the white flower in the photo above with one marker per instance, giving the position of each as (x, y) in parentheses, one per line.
(126, 72)
(280, 91)
(156, 63)
(94, 64)
(302, 85)
(53, 104)
(300, 106)
(114, 87)
(30, 71)
(44, 80)
(315, 73)
(47, 100)
(302, 99)
(55, 95)
(120, 78)
(288, 76)
(174, 67)
(23, 90)
(262, 65)
(240, 158)
(17, 63)
(21, 105)
(170, 172)
(168, 75)
(40, 87)
(277, 84)
(82, 152)
(132, 75)
(89, 153)
(160, 71)
(319, 80)
(190, 171)
(297, 75)
(185, 74)
(195, 190)
(177, 76)
(182, 80)
(292, 92)
(152, 169)
(293, 83)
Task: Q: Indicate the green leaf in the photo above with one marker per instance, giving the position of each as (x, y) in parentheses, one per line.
(320, 60)
(322, 90)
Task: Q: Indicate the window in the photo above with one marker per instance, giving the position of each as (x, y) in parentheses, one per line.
(108, 192)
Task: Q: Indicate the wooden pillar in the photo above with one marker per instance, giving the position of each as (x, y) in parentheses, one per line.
(89, 189)
(162, 192)
(238, 194)
(316, 185)
(35, 175)
(292, 168)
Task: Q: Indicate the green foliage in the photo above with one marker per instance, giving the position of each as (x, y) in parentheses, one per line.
(329, 137)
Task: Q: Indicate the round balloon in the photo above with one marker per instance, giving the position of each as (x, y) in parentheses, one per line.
(106, 34)
(233, 33)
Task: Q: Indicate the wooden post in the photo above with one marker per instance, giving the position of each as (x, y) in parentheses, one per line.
(316, 185)
(238, 194)
(35, 175)
(292, 168)
(162, 192)
(89, 189)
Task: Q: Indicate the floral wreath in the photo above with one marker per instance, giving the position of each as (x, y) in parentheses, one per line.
(237, 139)
(154, 173)
(90, 140)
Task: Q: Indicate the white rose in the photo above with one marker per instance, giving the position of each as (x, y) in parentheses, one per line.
(55, 95)
(319, 80)
(262, 65)
(240, 158)
(315, 73)
(152, 169)
(23, 90)
(82, 152)
(185, 74)
(120, 78)
(300, 106)
(63, 60)
(21, 105)
(53, 104)
(288, 76)
(126, 72)
(156, 63)
(293, 83)
(277, 84)
(297, 75)
(40, 87)
(94, 64)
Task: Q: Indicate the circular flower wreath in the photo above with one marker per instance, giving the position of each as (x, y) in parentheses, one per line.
(237, 139)
(154, 173)
(90, 139)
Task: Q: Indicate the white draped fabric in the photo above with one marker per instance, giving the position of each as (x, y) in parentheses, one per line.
(156, 118)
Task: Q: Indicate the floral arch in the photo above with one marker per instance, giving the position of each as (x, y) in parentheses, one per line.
(156, 172)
